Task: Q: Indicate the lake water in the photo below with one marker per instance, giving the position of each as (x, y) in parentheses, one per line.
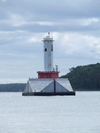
(52, 114)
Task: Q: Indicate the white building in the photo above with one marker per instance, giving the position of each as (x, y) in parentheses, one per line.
(48, 82)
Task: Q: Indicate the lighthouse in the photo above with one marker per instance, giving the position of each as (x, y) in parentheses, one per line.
(48, 53)
(48, 82)
(49, 70)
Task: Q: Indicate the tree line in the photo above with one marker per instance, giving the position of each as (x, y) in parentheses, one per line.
(13, 87)
(85, 78)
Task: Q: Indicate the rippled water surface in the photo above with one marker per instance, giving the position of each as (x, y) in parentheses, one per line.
(50, 114)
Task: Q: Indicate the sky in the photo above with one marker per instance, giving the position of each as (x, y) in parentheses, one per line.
(74, 25)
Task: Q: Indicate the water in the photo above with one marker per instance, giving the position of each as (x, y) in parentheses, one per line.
(54, 114)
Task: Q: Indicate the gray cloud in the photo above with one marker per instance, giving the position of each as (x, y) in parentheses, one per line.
(46, 10)
(24, 15)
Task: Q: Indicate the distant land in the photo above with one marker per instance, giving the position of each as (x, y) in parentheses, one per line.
(85, 78)
(82, 78)
(12, 87)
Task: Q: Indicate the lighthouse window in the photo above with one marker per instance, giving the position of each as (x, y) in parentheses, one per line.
(45, 49)
(51, 47)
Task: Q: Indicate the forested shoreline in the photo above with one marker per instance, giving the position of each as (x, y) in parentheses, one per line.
(82, 78)
(12, 87)
(85, 78)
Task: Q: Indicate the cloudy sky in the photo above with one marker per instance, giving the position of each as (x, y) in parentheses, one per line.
(74, 25)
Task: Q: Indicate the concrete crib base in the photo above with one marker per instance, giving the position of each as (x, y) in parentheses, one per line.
(49, 94)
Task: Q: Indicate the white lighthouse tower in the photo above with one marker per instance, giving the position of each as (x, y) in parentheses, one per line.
(48, 82)
(49, 71)
(48, 53)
